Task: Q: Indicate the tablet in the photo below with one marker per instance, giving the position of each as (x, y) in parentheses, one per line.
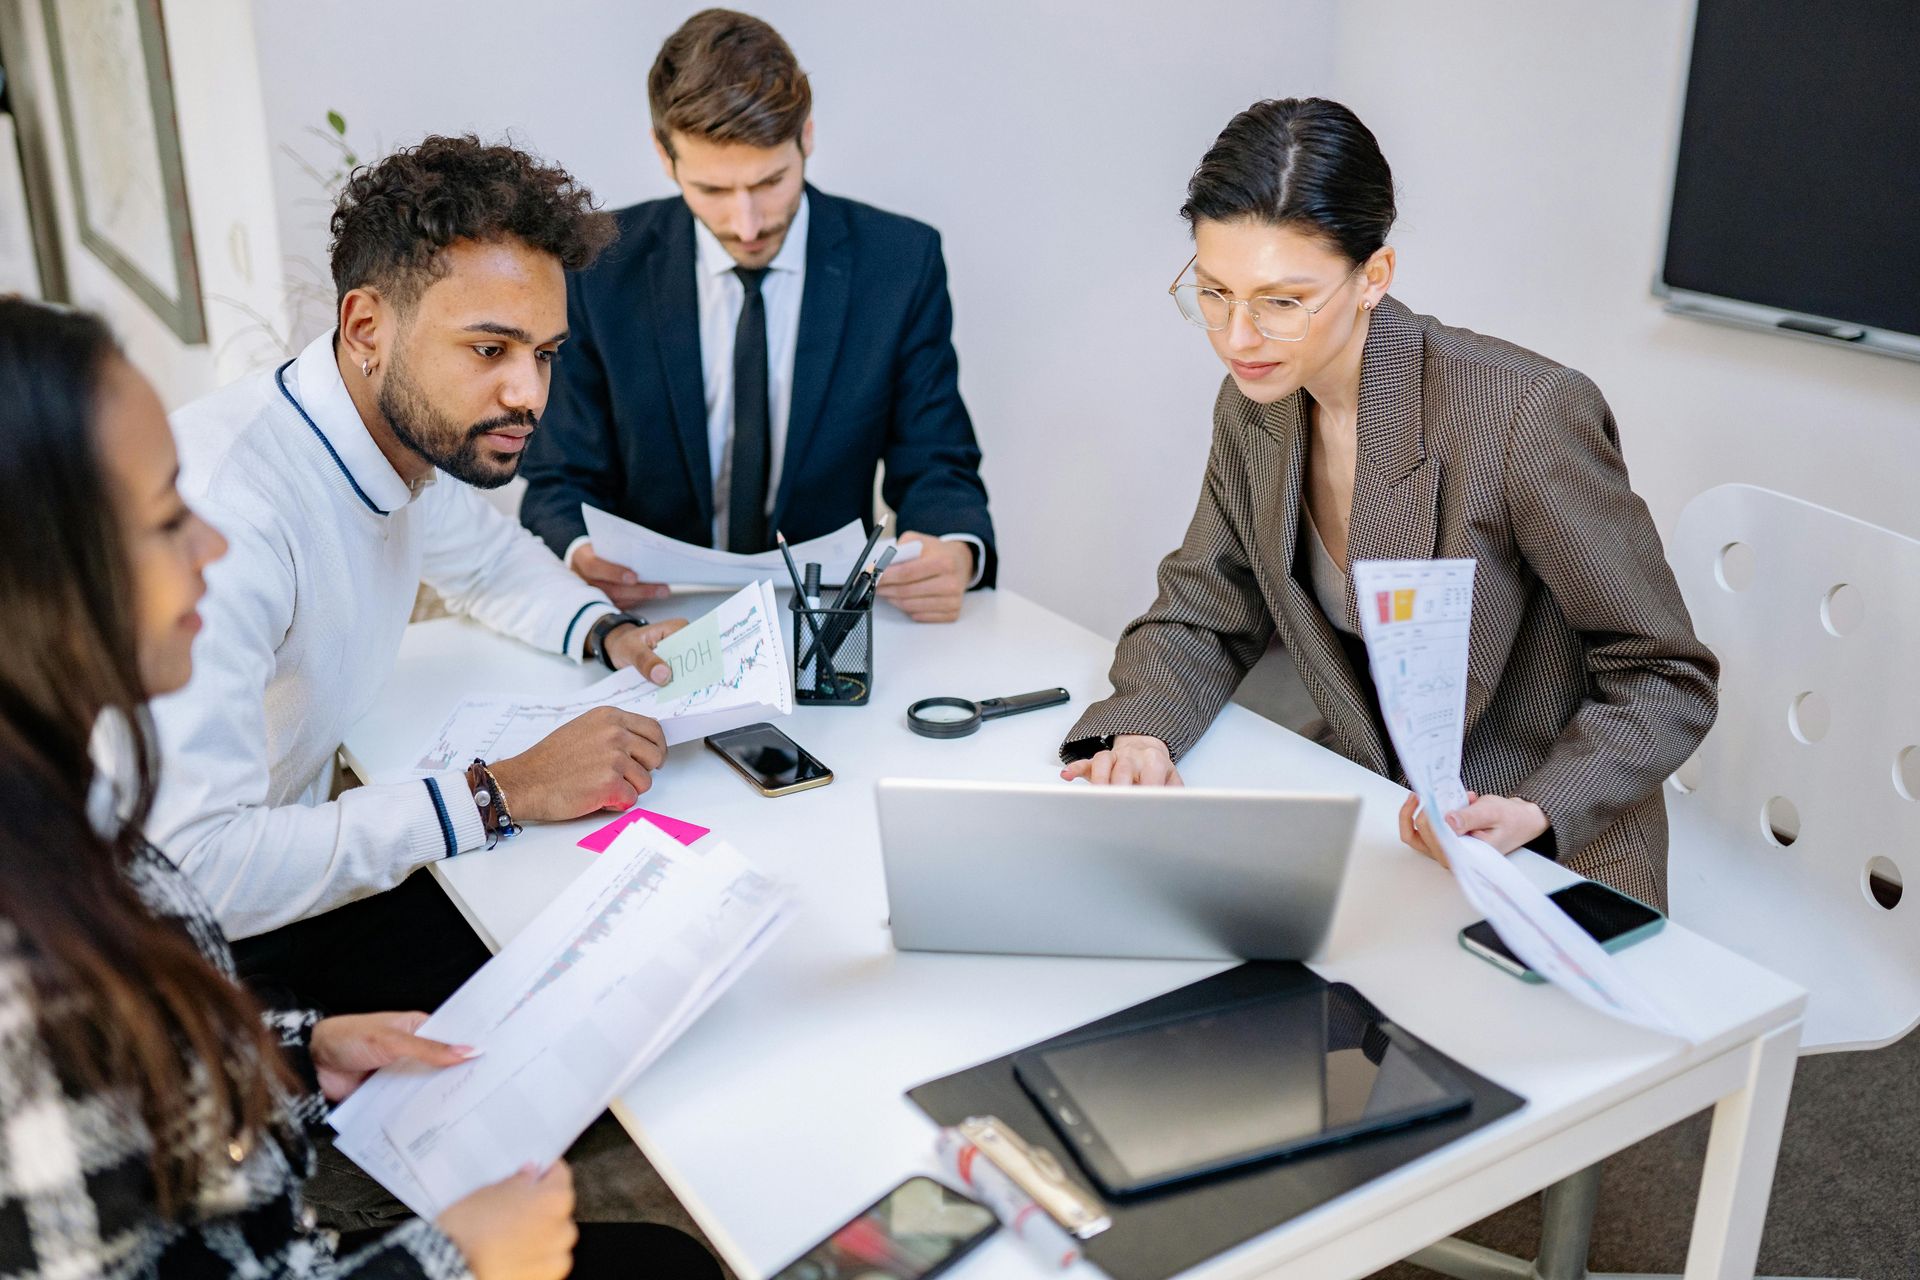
(1214, 1090)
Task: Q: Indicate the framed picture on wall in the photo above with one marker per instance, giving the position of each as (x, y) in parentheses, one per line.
(115, 100)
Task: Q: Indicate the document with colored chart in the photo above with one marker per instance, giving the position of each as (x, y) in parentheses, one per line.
(1417, 616)
(576, 1006)
(730, 668)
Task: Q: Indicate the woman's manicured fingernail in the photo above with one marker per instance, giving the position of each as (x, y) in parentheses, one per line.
(467, 1051)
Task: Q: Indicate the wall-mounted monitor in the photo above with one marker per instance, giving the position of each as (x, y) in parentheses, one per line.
(1796, 193)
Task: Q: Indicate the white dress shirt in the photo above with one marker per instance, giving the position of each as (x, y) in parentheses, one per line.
(304, 615)
(721, 296)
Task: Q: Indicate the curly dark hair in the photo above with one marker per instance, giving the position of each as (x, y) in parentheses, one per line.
(395, 216)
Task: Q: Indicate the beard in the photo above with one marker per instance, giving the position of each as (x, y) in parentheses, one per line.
(454, 449)
(778, 234)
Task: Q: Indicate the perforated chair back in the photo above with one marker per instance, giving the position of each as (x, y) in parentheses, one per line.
(1795, 825)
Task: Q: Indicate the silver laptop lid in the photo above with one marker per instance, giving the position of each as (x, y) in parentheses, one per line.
(1068, 869)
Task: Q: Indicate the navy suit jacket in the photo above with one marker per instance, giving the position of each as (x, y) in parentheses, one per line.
(875, 379)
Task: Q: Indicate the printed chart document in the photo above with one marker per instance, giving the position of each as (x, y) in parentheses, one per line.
(730, 668)
(1417, 616)
(654, 557)
(575, 1007)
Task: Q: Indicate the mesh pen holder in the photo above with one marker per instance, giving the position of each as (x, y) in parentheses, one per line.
(836, 669)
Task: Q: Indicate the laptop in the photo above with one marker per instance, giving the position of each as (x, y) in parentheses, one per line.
(1177, 873)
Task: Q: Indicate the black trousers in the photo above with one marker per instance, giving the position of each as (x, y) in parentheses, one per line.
(408, 948)
(622, 1250)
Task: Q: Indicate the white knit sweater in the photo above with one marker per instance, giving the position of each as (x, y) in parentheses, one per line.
(303, 623)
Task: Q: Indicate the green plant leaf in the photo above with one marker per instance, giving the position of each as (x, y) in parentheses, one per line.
(338, 122)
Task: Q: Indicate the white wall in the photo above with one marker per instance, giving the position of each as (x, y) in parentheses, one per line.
(230, 200)
(1050, 144)
(1533, 145)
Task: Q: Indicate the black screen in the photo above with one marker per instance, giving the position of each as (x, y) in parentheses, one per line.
(911, 1233)
(773, 758)
(1602, 913)
(1797, 186)
(1218, 1089)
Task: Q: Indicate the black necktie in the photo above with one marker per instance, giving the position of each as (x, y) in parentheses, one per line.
(752, 424)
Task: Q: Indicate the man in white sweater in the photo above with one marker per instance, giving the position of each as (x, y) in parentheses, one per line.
(325, 476)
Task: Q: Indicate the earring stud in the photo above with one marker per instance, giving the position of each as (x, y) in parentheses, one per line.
(366, 368)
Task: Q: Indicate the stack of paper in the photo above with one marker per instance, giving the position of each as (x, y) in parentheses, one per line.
(654, 557)
(729, 668)
(575, 1007)
(1417, 616)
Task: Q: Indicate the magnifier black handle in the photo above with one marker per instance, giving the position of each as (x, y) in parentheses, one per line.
(1013, 705)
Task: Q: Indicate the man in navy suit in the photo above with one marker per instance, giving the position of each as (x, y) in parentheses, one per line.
(747, 354)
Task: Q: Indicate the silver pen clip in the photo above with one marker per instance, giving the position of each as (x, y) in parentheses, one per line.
(1036, 1172)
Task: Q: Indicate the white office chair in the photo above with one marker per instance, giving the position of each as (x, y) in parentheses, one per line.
(1794, 826)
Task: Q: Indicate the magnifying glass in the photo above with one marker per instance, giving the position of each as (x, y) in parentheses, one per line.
(957, 717)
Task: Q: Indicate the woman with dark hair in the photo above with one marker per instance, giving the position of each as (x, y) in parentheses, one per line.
(1349, 428)
(151, 1116)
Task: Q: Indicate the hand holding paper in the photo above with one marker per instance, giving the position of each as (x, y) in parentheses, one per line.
(595, 988)
(653, 558)
(1417, 616)
(730, 668)
(1502, 821)
(621, 584)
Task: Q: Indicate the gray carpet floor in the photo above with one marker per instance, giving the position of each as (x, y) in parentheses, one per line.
(1846, 1197)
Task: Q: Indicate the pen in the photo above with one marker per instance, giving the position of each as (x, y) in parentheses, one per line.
(879, 567)
(792, 572)
(841, 601)
(799, 590)
(844, 617)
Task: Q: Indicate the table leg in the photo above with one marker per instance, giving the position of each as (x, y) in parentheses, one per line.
(1738, 1178)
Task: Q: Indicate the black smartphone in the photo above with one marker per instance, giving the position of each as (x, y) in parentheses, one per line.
(1609, 917)
(915, 1231)
(770, 760)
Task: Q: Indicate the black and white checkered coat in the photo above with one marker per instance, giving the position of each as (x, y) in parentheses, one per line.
(1586, 686)
(76, 1196)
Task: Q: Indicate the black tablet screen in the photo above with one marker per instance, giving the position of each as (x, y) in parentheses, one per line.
(1222, 1088)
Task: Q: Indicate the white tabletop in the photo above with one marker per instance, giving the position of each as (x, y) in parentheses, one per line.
(782, 1111)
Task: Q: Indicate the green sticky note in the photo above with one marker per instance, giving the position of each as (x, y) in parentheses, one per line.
(694, 654)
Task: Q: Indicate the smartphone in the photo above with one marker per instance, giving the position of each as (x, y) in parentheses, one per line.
(915, 1231)
(1610, 918)
(770, 760)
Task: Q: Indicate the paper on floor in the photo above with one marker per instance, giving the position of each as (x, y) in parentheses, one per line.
(1417, 617)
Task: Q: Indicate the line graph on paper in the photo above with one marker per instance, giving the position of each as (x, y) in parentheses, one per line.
(499, 728)
(729, 662)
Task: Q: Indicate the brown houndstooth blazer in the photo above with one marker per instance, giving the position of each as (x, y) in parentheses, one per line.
(1586, 686)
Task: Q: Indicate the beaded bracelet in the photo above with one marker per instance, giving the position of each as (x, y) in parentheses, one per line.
(492, 803)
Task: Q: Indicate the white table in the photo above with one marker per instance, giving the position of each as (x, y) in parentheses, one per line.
(782, 1111)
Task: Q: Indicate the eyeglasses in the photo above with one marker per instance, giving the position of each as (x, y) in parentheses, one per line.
(1278, 319)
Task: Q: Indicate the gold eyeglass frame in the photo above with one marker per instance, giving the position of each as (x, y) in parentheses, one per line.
(1173, 291)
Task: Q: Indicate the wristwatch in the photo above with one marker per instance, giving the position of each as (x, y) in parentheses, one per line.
(604, 627)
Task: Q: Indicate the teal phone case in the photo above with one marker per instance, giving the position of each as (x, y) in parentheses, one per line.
(1620, 943)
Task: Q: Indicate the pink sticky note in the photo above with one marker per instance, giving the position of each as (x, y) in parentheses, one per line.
(684, 832)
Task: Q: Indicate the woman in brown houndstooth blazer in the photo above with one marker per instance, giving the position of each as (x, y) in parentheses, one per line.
(1350, 428)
